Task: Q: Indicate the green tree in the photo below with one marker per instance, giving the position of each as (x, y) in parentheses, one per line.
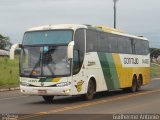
(154, 52)
(4, 42)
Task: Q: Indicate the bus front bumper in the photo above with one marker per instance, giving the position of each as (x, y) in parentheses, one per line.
(41, 91)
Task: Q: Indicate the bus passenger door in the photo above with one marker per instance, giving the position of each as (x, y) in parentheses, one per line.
(78, 84)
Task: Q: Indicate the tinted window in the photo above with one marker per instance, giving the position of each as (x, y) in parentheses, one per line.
(124, 45)
(79, 49)
(102, 42)
(141, 47)
(112, 43)
(91, 41)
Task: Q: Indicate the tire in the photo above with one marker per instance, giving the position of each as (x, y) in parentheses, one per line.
(139, 83)
(48, 99)
(90, 90)
(134, 85)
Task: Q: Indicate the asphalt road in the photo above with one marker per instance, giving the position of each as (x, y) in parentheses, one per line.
(146, 101)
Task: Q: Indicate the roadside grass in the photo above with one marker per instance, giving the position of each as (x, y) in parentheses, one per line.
(9, 71)
(155, 71)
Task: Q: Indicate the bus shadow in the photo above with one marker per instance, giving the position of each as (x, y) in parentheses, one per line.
(79, 99)
(97, 96)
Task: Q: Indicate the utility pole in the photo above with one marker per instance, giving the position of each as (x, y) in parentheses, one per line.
(115, 1)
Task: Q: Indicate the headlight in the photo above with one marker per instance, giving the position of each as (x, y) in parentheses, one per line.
(63, 84)
(24, 84)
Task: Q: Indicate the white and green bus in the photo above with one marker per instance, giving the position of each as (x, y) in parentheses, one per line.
(71, 59)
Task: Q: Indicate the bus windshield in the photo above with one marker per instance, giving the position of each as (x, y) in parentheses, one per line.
(47, 37)
(41, 61)
(44, 53)
(46, 60)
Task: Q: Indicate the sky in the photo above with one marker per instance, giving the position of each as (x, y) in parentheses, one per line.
(137, 17)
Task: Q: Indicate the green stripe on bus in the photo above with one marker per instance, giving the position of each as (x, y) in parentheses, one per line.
(106, 70)
(109, 70)
(113, 71)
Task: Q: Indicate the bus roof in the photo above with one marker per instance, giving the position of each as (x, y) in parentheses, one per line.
(77, 26)
(57, 26)
(118, 32)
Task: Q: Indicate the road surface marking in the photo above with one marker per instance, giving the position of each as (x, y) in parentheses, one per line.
(87, 104)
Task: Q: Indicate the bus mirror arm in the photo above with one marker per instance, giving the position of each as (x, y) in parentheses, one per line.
(12, 50)
(70, 50)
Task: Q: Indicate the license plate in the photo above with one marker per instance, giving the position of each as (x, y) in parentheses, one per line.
(42, 91)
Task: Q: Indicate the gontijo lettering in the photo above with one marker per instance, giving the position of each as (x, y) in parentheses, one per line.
(131, 60)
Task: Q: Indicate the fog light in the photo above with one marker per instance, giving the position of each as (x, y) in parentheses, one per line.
(67, 91)
(63, 84)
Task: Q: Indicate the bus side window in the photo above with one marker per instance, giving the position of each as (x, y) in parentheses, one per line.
(133, 46)
(91, 41)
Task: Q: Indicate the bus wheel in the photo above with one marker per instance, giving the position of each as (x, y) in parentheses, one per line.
(139, 83)
(134, 85)
(48, 99)
(90, 91)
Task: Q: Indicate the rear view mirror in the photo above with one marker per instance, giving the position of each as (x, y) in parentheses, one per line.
(70, 50)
